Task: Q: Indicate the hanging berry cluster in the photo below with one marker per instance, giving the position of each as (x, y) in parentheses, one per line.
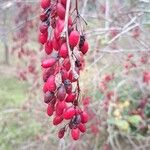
(61, 33)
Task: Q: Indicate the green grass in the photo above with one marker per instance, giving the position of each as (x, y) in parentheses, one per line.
(12, 92)
(17, 125)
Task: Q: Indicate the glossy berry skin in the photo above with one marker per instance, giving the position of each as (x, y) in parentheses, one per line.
(45, 89)
(85, 47)
(43, 27)
(57, 120)
(84, 117)
(71, 97)
(66, 64)
(45, 3)
(69, 113)
(63, 51)
(82, 127)
(60, 11)
(48, 47)
(55, 44)
(50, 110)
(61, 133)
(74, 38)
(50, 84)
(47, 73)
(61, 94)
(64, 2)
(48, 62)
(75, 133)
(43, 37)
(48, 96)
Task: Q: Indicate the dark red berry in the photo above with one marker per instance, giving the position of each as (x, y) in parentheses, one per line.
(85, 47)
(61, 133)
(50, 109)
(61, 93)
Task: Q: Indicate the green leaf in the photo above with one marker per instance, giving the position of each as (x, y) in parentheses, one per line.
(134, 120)
(121, 124)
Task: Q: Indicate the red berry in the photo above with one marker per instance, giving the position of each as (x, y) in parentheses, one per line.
(50, 109)
(48, 62)
(45, 3)
(55, 44)
(43, 37)
(84, 117)
(48, 96)
(63, 51)
(60, 106)
(60, 11)
(47, 73)
(64, 2)
(68, 86)
(71, 97)
(45, 89)
(66, 64)
(61, 94)
(85, 47)
(64, 74)
(75, 133)
(43, 27)
(57, 120)
(74, 38)
(69, 113)
(51, 85)
(82, 127)
(48, 47)
(61, 133)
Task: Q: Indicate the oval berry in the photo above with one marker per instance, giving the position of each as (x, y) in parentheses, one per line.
(45, 3)
(74, 38)
(48, 47)
(43, 27)
(55, 44)
(61, 93)
(84, 117)
(71, 97)
(75, 133)
(60, 11)
(85, 47)
(50, 84)
(50, 109)
(61, 133)
(69, 113)
(57, 120)
(43, 37)
(66, 64)
(82, 127)
(48, 96)
(63, 51)
(48, 62)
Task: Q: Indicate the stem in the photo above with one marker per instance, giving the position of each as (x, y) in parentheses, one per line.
(65, 32)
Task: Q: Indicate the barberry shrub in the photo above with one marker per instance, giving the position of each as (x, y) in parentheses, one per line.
(65, 44)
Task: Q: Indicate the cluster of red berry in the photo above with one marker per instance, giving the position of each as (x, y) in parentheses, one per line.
(65, 46)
